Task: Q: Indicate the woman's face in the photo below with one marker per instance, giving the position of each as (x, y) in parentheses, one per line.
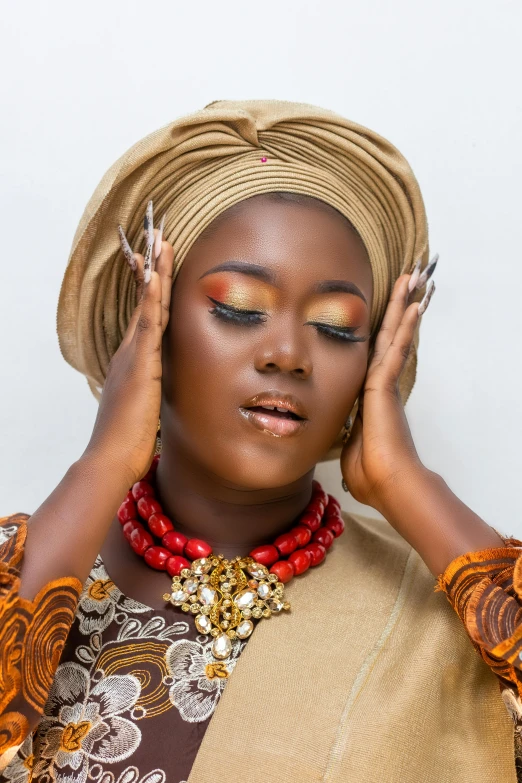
(267, 302)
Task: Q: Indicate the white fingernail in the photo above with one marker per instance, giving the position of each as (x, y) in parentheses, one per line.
(147, 264)
(423, 306)
(127, 250)
(414, 276)
(148, 224)
(425, 276)
(159, 238)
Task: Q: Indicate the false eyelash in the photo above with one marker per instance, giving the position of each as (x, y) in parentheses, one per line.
(239, 316)
(252, 317)
(345, 333)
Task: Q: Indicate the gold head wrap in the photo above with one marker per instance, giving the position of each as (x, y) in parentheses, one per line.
(199, 165)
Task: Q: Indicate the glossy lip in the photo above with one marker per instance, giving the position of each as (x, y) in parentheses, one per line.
(277, 399)
(273, 425)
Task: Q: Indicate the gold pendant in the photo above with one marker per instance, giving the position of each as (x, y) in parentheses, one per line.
(225, 600)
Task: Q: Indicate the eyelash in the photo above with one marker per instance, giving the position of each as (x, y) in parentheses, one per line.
(253, 317)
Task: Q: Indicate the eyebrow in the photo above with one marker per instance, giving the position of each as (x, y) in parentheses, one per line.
(262, 273)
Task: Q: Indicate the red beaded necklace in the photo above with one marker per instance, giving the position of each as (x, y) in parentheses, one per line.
(225, 599)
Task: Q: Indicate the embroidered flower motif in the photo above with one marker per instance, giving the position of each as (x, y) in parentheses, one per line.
(99, 600)
(6, 531)
(129, 775)
(192, 692)
(514, 707)
(19, 770)
(88, 727)
(139, 645)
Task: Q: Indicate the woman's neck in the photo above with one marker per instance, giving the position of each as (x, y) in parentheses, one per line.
(231, 519)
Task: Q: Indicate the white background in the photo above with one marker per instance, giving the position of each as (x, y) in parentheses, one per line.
(83, 82)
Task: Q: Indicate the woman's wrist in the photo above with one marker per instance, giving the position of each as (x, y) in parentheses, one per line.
(101, 466)
(406, 482)
(421, 507)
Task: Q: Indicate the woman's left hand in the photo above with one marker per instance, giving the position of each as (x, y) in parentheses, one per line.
(380, 451)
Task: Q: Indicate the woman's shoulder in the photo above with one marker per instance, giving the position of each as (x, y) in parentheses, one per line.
(405, 646)
(372, 531)
(425, 626)
(424, 618)
(373, 542)
(385, 566)
(379, 565)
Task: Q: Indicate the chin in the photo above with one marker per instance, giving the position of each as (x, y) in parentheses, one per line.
(254, 468)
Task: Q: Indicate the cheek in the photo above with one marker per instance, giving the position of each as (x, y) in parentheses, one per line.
(340, 376)
(199, 363)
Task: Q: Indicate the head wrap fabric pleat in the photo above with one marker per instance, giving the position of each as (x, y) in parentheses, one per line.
(199, 165)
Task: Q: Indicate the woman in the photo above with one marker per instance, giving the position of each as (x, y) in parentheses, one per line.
(297, 242)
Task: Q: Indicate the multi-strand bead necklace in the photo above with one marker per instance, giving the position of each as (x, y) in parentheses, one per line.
(227, 595)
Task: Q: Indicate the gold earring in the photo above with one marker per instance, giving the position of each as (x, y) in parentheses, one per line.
(347, 428)
(157, 450)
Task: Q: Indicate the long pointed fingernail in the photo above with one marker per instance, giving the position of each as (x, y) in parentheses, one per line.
(423, 306)
(414, 276)
(147, 267)
(148, 228)
(148, 224)
(159, 237)
(127, 250)
(425, 276)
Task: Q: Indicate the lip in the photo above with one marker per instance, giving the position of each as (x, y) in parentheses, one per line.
(270, 423)
(277, 399)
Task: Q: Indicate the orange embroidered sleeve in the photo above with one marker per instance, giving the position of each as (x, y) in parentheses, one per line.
(485, 589)
(32, 637)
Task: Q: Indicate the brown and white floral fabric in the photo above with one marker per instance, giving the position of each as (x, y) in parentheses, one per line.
(131, 697)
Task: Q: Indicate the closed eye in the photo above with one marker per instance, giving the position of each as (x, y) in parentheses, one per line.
(254, 317)
(227, 313)
(338, 332)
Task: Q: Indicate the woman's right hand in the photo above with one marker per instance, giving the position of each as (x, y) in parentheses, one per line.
(124, 434)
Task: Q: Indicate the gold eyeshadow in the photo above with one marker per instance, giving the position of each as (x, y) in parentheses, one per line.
(235, 290)
(332, 314)
(241, 294)
(340, 310)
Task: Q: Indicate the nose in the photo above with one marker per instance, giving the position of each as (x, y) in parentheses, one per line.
(284, 349)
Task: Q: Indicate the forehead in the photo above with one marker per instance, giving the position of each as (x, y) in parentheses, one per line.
(296, 241)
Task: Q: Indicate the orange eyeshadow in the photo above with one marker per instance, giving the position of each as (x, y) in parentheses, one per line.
(242, 294)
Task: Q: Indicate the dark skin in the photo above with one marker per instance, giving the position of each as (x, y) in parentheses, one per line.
(219, 479)
(234, 486)
(243, 486)
(215, 468)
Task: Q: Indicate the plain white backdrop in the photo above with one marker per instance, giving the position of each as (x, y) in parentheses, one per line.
(83, 82)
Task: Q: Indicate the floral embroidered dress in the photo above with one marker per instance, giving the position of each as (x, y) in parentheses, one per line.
(95, 686)
(132, 694)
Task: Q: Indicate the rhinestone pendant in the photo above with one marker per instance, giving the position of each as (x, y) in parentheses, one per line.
(226, 595)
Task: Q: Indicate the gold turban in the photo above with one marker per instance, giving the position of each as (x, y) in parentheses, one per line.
(199, 165)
